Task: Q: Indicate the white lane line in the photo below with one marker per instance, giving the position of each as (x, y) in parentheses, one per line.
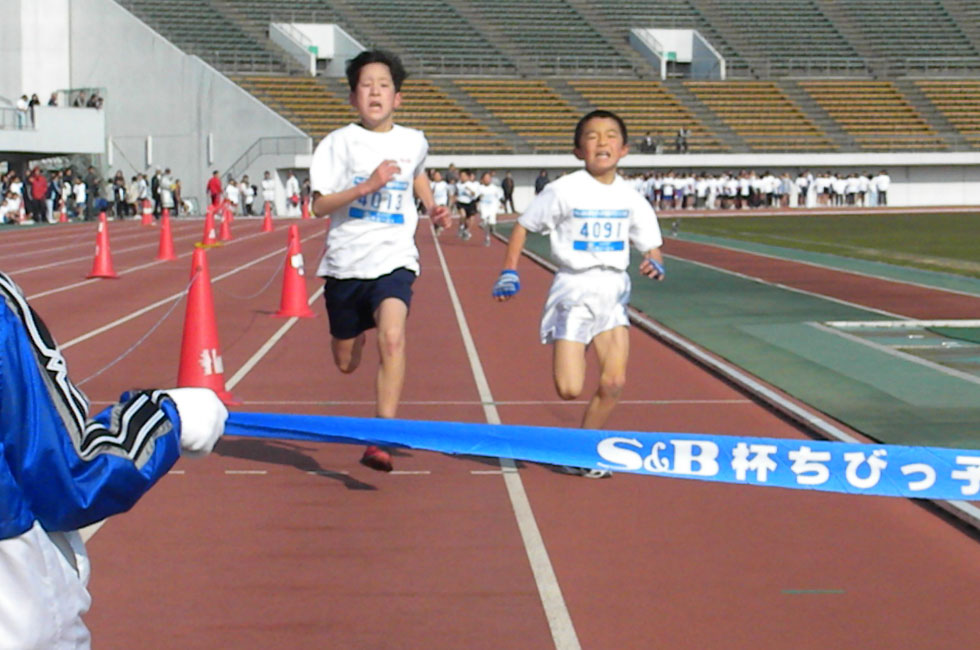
(905, 324)
(328, 472)
(177, 471)
(828, 267)
(904, 356)
(164, 301)
(246, 472)
(494, 472)
(785, 287)
(576, 403)
(264, 349)
(155, 262)
(81, 258)
(559, 620)
(409, 472)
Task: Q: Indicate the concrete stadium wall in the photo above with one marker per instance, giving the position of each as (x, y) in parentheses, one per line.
(154, 89)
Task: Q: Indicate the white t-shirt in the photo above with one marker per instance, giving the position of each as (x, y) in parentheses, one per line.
(268, 189)
(590, 224)
(440, 193)
(490, 196)
(374, 235)
(232, 193)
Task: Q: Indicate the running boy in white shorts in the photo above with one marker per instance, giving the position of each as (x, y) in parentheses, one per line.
(591, 216)
(364, 176)
(490, 197)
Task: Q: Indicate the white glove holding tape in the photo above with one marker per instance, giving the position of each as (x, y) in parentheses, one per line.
(202, 419)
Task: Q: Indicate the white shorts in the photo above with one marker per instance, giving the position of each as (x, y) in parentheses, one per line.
(42, 595)
(583, 304)
(489, 217)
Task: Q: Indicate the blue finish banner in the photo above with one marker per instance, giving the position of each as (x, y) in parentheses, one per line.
(883, 470)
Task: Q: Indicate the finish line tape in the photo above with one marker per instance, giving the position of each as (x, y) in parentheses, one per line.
(882, 470)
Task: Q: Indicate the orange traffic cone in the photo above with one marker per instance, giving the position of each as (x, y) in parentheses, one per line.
(208, 239)
(102, 265)
(62, 214)
(166, 250)
(267, 220)
(225, 232)
(147, 213)
(306, 209)
(200, 353)
(293, 301)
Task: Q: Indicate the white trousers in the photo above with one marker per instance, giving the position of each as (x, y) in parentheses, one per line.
(42, 596)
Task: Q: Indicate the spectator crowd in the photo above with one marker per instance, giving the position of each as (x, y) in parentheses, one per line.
(43, 196)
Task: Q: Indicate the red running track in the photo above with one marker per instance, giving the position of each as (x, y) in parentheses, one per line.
(270, 543)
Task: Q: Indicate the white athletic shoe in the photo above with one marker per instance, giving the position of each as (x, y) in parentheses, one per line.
(587, 472)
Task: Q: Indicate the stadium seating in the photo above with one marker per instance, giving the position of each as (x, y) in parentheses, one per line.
(875, 114)
(436, 34)
(647, 107)
(531, 109)
(786, 29)
(259, 13)
(762, 115)
(317, 109)
(959, 102)
(541, 64)
(908, 28)
(199, 28)
(551, 36)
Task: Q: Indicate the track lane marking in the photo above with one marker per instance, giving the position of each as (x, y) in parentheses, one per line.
(559, 620)
(825, 267)
(164, 301)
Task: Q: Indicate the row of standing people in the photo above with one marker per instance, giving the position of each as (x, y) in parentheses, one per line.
(43, 196)
(241, 194)
(751, 189)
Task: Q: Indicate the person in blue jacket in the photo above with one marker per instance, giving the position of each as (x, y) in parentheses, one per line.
(61, 470)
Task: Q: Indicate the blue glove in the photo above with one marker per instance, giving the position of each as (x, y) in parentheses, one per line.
(658, 266)
(508, 284)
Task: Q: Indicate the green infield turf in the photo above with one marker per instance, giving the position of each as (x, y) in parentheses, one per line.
(938, 242)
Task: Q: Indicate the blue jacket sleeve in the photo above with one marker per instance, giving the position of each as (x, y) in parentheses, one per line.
(59, 466)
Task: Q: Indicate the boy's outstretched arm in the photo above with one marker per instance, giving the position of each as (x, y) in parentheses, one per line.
(508, 284)
(652, 265)
(324, 204)
(438, 213)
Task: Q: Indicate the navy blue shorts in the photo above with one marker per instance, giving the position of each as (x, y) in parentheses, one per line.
(351, 303)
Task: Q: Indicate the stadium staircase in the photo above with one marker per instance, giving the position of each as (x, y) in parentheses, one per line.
(649, 106)
(728, 139)
(908, 28)
(843, 140)
(762, 115)
(841, 19)
(617, 37)
(966, 14)
(912, 92)
(200, 28)
(875, 114)
(959, 103)
(259, 13)
(549, 36)
(529, 108)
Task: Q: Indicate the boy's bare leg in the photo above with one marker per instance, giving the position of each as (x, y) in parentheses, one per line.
(347, 353)
(612, 347)
(569, 368)
(390, 318)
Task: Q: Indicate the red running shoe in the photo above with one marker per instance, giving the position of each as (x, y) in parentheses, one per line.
(377, 458)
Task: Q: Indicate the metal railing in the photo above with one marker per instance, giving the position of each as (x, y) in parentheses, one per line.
(283, 145)
(878, 68)
(15, 120)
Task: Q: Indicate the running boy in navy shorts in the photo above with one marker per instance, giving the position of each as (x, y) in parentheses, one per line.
(366, 177)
